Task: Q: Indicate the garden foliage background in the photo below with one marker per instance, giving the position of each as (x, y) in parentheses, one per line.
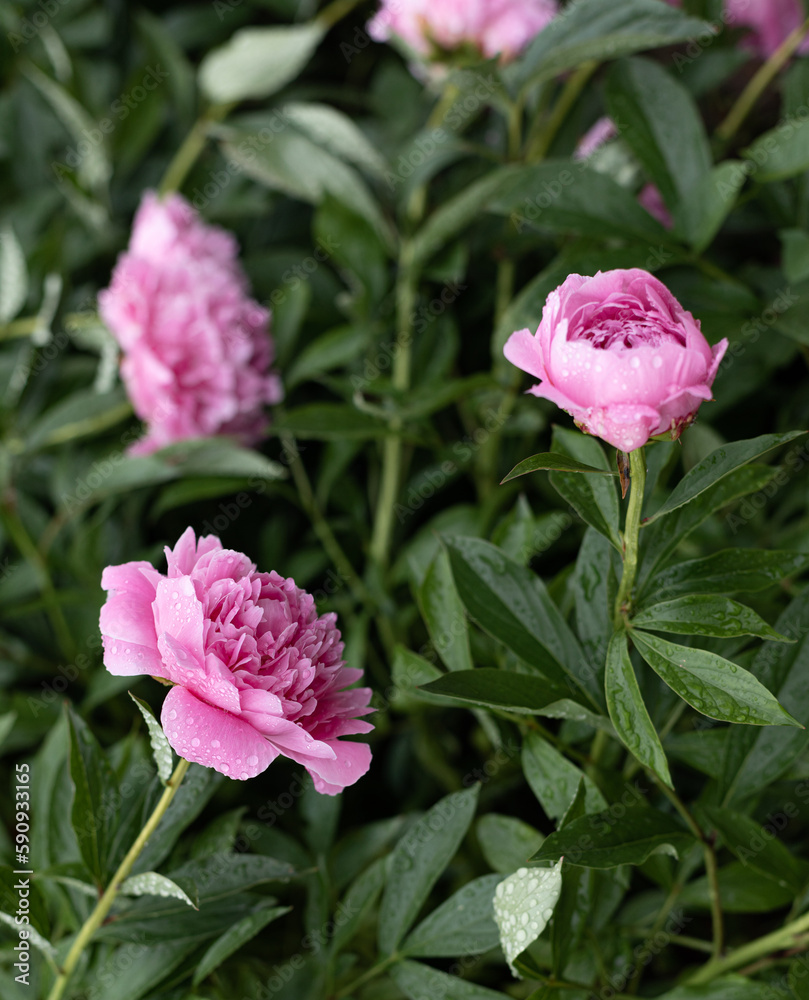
(370, 205)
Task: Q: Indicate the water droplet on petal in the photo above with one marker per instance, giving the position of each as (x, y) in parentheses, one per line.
(244, 775)
(226, 768)
(214, 743)
(195, 742)
(635, 362)
(252, 760)
(172, 715)
(657, 361)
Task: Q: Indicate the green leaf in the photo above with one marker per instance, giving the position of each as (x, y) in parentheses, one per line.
(336, 132)
(35, 939)
(192, 796)
(418, 981)
(729, 571)
(555, 780)
(443, 612)
(79, 415)
(333, 350)
(724, 988)
(565, 197)
(94, 169)
(619, 836)
(145, 968)
(523, 905)
(595, 30)
(594, 587)
(741, 890)
(711, 684)
(705, 615)
(629, 713)
(594, 498)
(94, 792)
(153, 884)
(511, 603)
(463, 924)
(330, 422)
(719, 464)
(411, 674)
(455, 214)
(660, 122)
(417, 861)
(711, 201)
(660, 539)
(507, 842)
(37, 908)
(161, 749)
(759, 849)
(525, 694)
(13, 275)
(358, 901)
(290, 162)
(550, 460)
(795, 254)
(233, 939)
(257, 62)
(780, 153)
(754, 759)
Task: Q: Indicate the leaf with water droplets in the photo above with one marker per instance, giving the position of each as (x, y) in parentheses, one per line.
(700, 614)
(153, 884)
(628, 711)
(36, 939)
(523, 905)
(711, 684)
(161, 751)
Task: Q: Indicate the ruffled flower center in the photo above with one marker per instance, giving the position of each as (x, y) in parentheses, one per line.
(623, 322)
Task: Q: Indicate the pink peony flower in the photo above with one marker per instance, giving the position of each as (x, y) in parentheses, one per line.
(493, 27)
(621, 355)
(595, 137)
(652, 200)
(196, 348)
(256, 672)
(770, 22)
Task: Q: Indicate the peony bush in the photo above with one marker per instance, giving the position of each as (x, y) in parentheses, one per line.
(403, 517)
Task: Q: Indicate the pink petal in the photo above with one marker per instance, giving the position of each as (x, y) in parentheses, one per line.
(214, 738)
(523, 350)
(350, 764)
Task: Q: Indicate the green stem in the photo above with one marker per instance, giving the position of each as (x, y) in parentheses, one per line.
(576, 83)
(760, 81)
(368, 975)
(29, 551)
(193, 144)
(23, 327)
(780, 940)
(392, 448)
(711, 867)
(102, 907)
(637, 484)
(335, 12)
(330, 544)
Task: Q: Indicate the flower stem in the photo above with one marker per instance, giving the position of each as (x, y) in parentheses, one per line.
(783, 939)
(102, 908)
(392, 448)
(637, 469)
(575, 84)
(760, 81)
(711, 868)
(193, 144)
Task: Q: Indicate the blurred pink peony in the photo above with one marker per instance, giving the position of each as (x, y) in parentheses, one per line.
(196, 348)
(256, 672)
(621, 355)
(493, 27)
(652, 200)
(595, 137)
(770, 22)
